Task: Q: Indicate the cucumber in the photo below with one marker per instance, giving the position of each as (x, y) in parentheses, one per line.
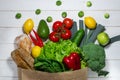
(77, 38)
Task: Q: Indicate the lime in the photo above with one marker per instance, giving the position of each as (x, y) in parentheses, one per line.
(36, 51)
(28, 26)
(90, 22)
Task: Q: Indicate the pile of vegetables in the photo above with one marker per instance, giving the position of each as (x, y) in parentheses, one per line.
(68, 48)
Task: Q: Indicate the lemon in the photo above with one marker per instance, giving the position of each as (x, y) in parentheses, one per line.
(90, 22)
(28, 26)
(36, 51)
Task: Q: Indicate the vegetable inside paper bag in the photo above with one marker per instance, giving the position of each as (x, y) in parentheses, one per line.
(25, 74)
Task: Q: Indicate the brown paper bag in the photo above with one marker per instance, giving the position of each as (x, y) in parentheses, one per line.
(25, 74)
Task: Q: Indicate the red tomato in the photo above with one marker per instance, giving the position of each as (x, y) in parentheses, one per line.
(54, 36)
(68, 23)
(66, 34)
(57, 26)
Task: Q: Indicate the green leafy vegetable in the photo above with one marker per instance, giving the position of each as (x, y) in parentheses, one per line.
(94, 56)
(52, 54)
(57, 51)
(48, 65)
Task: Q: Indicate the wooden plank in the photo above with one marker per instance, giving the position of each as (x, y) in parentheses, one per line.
(66, 5)
(8, 35)
(8, 78)
(5, 50)
(8, 68)
(8, 18)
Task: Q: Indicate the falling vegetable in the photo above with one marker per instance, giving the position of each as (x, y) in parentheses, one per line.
(58, 3)
(106, 15)
(89, 4)
(80, 14)
(38, 11)
(18, 16)
(49, 19)
(64, 14)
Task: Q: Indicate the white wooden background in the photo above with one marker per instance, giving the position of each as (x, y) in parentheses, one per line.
(11, 27)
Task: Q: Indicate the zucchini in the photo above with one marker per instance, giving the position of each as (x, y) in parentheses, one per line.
(77, 38)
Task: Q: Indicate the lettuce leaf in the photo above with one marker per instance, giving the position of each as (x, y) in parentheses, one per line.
(57, 51)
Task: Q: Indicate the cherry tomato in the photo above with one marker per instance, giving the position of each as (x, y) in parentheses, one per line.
(54, 36)
(66, 34)
(57, 26)
(68, 23)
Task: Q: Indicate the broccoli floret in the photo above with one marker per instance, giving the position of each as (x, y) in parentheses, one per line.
(94, 56)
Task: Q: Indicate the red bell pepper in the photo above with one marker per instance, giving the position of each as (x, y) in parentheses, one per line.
(72, 61)
(38, 41)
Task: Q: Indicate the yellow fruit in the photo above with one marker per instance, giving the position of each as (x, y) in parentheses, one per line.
(90, 22)
(36, 51)
(28, 26)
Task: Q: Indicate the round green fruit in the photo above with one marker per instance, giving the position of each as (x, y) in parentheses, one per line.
(103, 38)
